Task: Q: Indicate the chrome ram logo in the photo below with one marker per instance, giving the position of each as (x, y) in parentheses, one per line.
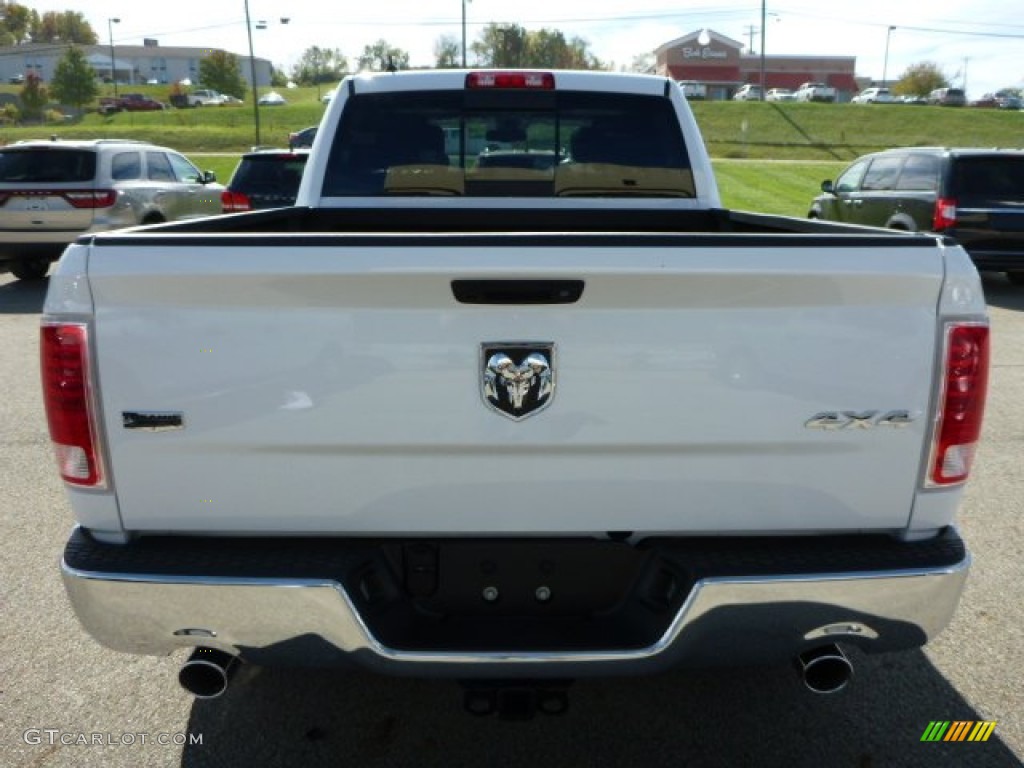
(518, 379)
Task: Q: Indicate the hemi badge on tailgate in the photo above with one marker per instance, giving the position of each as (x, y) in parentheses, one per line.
(153, 421)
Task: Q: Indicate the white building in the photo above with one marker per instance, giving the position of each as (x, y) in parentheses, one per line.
(132, 64)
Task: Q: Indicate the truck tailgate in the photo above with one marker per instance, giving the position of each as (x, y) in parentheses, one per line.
(337, 385)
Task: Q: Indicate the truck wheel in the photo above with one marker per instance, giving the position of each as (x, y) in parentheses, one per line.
(32, 269)
(1015, 278)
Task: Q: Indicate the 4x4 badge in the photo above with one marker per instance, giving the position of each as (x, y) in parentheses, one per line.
(517, 378)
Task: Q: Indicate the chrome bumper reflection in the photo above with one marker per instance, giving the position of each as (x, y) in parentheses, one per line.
(722, 620)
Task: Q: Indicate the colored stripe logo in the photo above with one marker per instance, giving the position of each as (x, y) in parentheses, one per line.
(958, 730)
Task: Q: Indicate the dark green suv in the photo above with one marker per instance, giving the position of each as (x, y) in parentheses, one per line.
(973, 195)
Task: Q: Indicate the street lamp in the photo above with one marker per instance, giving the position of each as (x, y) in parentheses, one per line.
(252, 68)
(113, 72)
(885, 63)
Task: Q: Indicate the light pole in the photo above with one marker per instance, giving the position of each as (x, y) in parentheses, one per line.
(764, 17)
(885, 62)
(113, 71)
(464, 33)
(252, 74)
(252, 68)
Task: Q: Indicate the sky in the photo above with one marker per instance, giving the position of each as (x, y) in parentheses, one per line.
(981, 41)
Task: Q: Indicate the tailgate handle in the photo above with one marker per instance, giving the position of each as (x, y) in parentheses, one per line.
(517, 291)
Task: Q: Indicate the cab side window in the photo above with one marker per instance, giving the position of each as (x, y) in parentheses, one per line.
(882, 174)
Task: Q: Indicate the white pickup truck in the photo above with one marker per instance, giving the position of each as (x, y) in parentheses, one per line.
(549, 415)
(815, 92)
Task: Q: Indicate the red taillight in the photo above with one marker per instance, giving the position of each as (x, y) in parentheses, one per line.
(544, 81)
(67, 394)
(234, 202)
(945, 214)
(961, 403)
(95, 198)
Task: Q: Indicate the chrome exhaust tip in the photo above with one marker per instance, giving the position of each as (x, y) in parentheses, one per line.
(207, 672)
(825, 669)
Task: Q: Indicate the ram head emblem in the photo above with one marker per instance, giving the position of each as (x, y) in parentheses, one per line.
(518, 379)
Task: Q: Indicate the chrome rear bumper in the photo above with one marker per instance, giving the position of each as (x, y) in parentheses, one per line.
(722, 619)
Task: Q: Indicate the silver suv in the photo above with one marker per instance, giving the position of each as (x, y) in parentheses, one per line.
(53, 191)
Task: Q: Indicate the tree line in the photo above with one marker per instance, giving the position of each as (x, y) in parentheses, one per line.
(20, 24)
(497, 45)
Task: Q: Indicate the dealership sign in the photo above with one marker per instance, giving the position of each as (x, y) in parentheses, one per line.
(704, 53)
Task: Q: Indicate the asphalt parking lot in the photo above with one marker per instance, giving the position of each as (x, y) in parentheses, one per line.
(66, 701)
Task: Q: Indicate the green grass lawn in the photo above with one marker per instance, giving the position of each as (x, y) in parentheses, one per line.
(222, 164)
(841, 132)
(779, 187)
(202, 129)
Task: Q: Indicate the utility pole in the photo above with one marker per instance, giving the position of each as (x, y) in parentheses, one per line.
(751, 30)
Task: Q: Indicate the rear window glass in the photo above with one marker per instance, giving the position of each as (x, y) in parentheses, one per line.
(269, 174)
(43, 165)
(509, 144)
(994, 178)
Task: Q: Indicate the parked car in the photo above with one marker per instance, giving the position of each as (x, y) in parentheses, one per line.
(779, 94)
(973, 195)
(947, 97)
(693, 91)
(748, 92)
(53, 191)
(267, 178)
(205, 98)
(272, 99)
(129, 102)
(137, 102)
(873, 96)
(16, 79)
(815, 92)
(1008, 100)
(302, 139)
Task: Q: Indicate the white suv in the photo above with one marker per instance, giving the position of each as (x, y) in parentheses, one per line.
(53, 191)
(873, 96)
